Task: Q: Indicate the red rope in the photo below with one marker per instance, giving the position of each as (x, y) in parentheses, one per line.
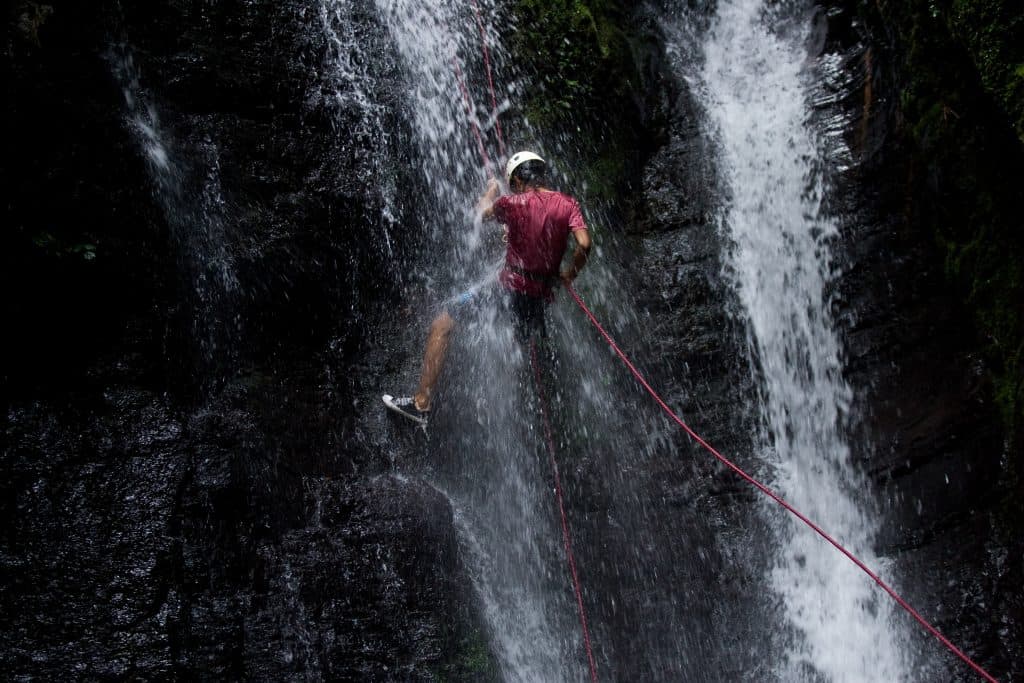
(490, 78)
(469, 113)
(696, 437)
(561, 509)
(566, 538)
(774, 496)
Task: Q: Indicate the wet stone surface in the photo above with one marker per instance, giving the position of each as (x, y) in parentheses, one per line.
(150, 549)
(168, 516)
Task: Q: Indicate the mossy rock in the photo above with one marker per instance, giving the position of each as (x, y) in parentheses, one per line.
(961, 111)
(992, 31)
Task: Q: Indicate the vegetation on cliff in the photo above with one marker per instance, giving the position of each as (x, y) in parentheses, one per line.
(959, 83)
(587, 77)
(992, 31)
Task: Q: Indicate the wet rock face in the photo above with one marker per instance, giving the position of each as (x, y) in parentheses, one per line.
(86, 536)
(931, 433)
(927, 428)
(143, 542)
(174, 510)
(685, 296)
(245, 528)
(246, 117)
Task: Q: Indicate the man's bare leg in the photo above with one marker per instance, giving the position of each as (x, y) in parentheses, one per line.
(433, 358)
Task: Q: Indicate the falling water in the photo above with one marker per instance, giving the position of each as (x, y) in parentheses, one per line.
(350, 85)
(448, 105)
(486, 455)
(756, 80)
(193, 207)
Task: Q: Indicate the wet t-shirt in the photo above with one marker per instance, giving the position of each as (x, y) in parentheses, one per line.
(539, 223)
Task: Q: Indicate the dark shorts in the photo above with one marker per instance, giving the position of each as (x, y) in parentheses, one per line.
(525, 312)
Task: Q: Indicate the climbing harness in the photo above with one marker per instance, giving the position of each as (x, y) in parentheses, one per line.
(535, 276)
(771, 494)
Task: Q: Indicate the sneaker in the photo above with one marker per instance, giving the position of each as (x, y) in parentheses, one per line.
(406, 406)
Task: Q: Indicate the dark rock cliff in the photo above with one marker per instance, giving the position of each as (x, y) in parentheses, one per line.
(932, 292)
(180, 509)
(927, 301)
(160, 524)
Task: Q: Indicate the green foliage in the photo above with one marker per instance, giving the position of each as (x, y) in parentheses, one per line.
(968, 180)
(583, 65)
(569, 47)
(54, 247)
(31, 16)
(993, 33)
(604, 173)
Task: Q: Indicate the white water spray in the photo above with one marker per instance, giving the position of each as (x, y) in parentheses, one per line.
(349, 86)
(440, 47)
(756, 78)
(503, 511)
(193, 208)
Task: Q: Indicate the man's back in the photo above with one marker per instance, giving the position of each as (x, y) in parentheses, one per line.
(539, 223)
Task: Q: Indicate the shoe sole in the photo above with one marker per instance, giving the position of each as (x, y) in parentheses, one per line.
(389, 401)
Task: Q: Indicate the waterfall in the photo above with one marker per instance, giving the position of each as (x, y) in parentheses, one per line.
(350, 79)
(190, 198)
(755, 81)
(228, 238)
(485, 448)
(440, 49)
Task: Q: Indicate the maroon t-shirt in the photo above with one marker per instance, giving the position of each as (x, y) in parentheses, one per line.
(539, 223)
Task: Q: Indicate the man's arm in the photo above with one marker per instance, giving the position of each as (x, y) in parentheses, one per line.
(579, 255)
(485, 205)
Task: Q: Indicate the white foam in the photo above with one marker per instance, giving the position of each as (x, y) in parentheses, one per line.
(755, 84)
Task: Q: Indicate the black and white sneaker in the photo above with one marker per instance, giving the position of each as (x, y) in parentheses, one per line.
(406, 407)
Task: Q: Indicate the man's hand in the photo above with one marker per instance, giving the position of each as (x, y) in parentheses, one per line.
(579, 256)
(486, 201)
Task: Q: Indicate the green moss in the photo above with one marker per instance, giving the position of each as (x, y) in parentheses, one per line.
(604, 173)
(471, 661)
(476, 658)
(50, 246)
(992, 31)
(583, 80)
(960, 101)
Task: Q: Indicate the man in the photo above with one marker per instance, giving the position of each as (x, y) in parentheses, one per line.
(537, 222)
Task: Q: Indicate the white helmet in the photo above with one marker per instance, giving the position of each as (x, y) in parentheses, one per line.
(519, 158)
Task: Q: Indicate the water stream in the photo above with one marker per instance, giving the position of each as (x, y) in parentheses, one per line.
(187, 187)
(756, 81)
(486, 458)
